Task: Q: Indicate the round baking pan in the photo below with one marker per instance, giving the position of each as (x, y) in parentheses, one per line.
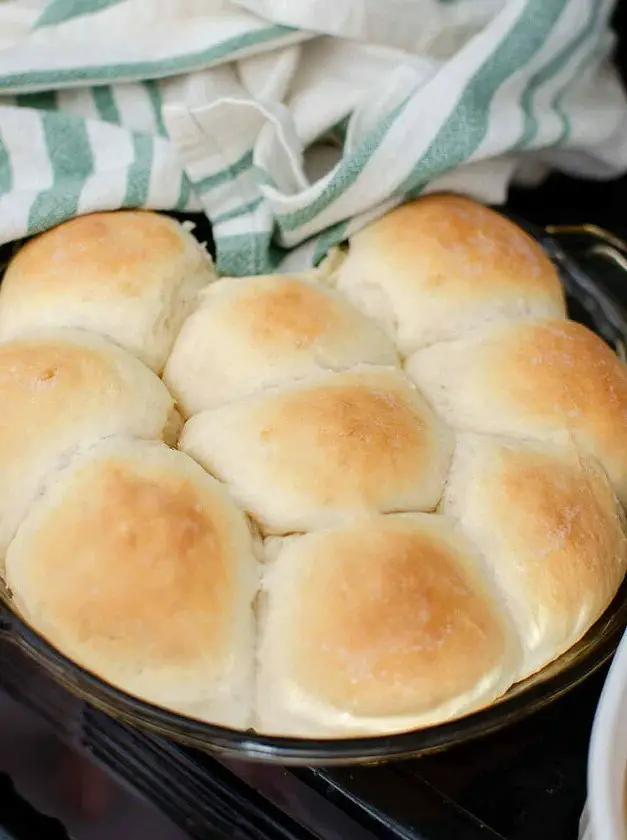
(590, 303)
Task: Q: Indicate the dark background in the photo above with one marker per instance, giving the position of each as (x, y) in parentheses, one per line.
(566, 200)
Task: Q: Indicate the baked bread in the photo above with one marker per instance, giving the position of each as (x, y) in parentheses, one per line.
(132, 276)
(138, 566)
(62, 388)
(548, 380)
(309, 455)
(425, 455)
(436, 267)
(253, 333)
(383, 624)
(550, 530)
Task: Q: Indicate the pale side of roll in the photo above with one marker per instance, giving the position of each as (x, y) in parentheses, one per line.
(61, 388)
(308, 456)
(137, 565)
(436, 267)
(548, 380)
(381, 625)
(131, 276)
(252, 333)
(551, 531)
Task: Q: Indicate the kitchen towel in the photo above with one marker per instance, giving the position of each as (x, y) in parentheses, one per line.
(292, 124)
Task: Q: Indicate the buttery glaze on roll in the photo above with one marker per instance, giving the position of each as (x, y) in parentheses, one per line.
(253, 333)
(138, 566)
(307, 456)
(61, 389)
(131, 276)
(384, 624)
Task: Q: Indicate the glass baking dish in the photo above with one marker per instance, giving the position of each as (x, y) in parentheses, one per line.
(589, 302)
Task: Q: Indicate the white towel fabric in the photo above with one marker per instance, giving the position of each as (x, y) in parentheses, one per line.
(292, 124)
(585, 828)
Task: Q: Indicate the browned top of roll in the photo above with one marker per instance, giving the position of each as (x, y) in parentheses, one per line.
(137, 564)
(109, 252)
(437, 266)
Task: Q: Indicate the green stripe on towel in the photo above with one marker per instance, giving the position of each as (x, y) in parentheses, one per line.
(138, 179)
(72, 163)
(105, 103)
(58, 11)
(347, 172)
(549, 71)
(242, 210)
(154, 95)
(6, 169)
(158, 69)
(229, 173)
(466, 127)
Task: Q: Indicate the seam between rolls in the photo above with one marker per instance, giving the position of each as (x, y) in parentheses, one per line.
(259, 607)
(490, 580)
(315, 378)
(488, 326)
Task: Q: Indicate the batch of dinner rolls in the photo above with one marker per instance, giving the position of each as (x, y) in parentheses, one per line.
(361, 500)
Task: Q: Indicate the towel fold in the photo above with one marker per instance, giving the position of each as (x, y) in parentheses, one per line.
(292, 125)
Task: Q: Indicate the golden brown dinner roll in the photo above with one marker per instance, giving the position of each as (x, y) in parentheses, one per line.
(550, 530)
(382, 625)
(307, 456)
(255, 332)
(137, 565)
(132, 276)
(60, 388)
(442, 264)
(545, 380)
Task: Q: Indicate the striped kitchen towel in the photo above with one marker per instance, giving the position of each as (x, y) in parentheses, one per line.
(292, 124)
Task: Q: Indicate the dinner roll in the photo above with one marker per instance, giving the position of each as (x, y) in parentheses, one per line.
(255, 332)
(132, 276)
(550, 530)
(382, 625)
(545, 380)
(60, 388)
(443, 264)
(137, 565)
(307, 456)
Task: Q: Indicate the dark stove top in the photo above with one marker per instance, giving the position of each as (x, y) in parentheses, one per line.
(19, 820)
(527, 783)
